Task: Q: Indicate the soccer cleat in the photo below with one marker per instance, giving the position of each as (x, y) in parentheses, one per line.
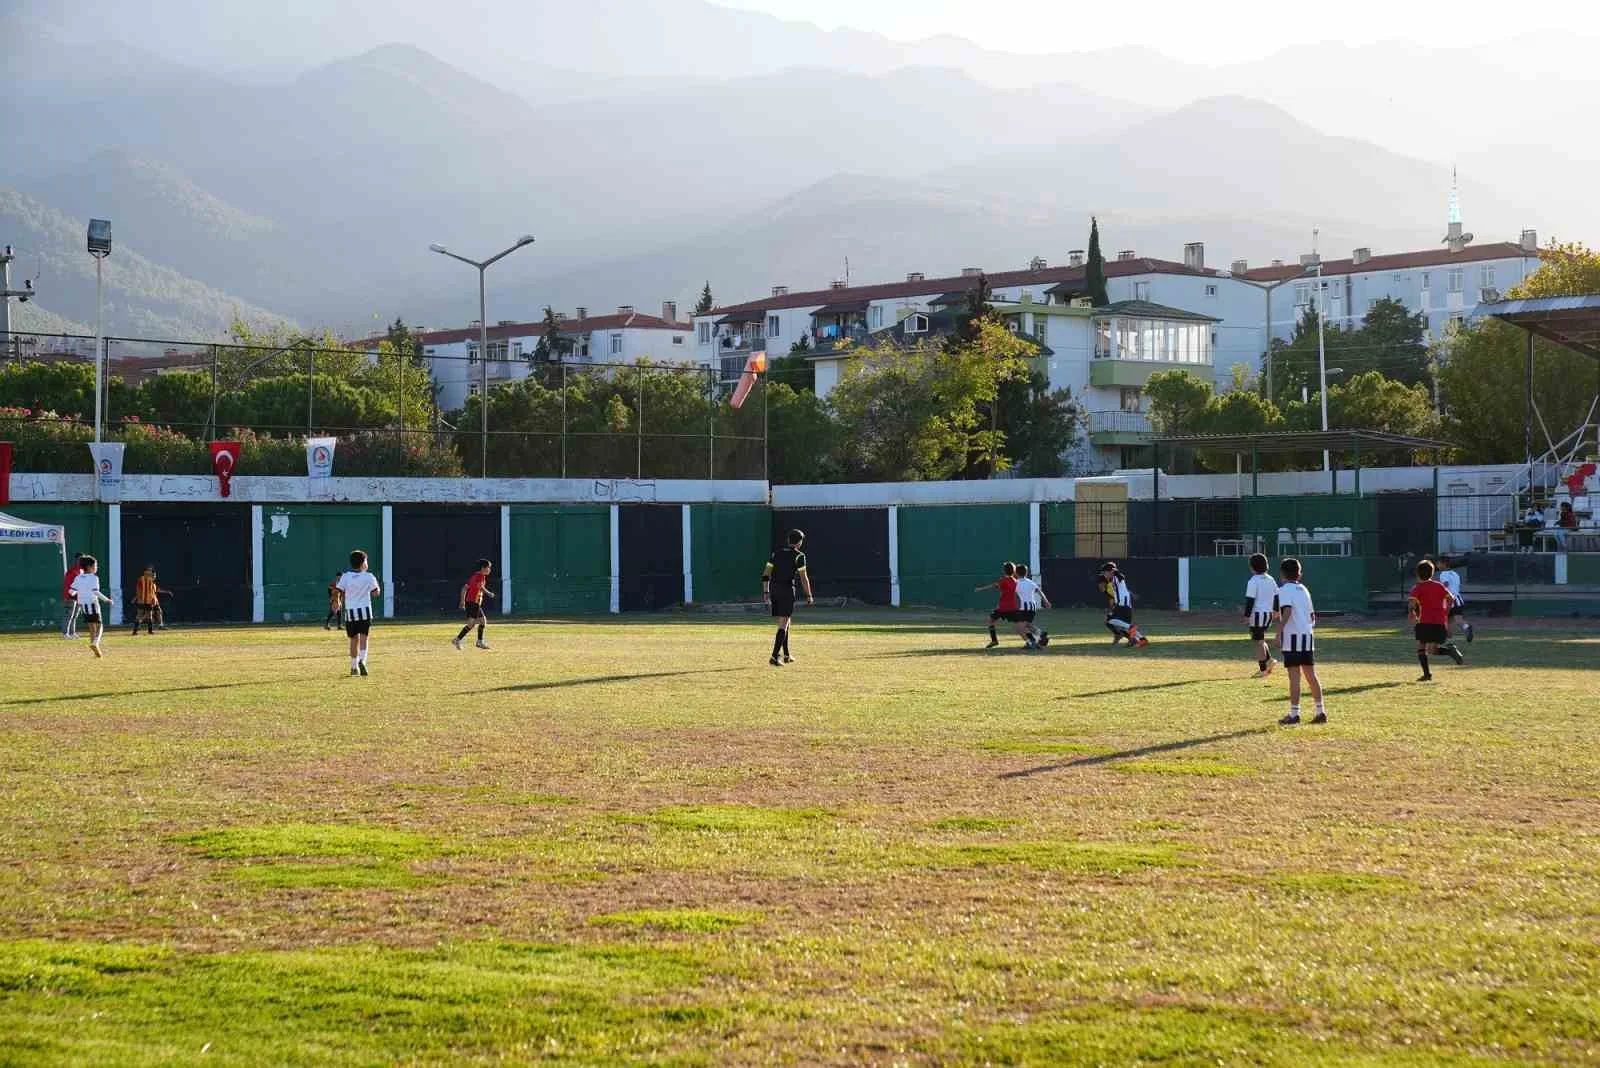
(456, 642)
(1261, 673)
(787, 659)
(1454, 654)
(483, 645)
(355, 671)
(1320, 717)
(1468, 628)
(1425, 678)
(1291, 720)
(363, 667)
(992, 644)
(1044, 639)
(1271, 666)
(1143, 642)
(94, 647)
(775, 662)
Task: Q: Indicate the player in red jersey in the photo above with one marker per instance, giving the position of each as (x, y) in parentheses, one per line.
(1010, 606)
(1430, 602)
(472, 595)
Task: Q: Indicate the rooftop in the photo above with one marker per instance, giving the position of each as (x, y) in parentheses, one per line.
(504, 332)
(1397, 261)
(952, 286)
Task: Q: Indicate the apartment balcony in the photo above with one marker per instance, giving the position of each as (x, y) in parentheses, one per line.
(1119, 428)
(729, 344)
(826, 340)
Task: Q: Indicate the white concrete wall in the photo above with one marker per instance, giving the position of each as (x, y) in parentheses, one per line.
(881, 494)
(249, 489)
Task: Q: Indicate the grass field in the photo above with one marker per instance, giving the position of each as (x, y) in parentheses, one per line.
(632, 841)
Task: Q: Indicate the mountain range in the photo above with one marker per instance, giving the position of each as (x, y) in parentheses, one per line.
(291, 165)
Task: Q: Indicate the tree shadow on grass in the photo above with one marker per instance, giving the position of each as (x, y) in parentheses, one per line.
(601, 680)
(1334, 691)
(1150, 686)
(1142, 751)
(123, 693)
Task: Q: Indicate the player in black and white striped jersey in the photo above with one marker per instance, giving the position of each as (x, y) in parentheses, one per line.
(1260, 611)
(1297, 640)
(358, 586)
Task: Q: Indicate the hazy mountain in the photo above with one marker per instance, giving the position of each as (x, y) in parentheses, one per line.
(142, 298)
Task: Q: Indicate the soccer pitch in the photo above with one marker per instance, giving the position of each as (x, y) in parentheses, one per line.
(632, 841)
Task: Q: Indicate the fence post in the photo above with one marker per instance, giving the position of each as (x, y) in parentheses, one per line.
(563, 418)
(387, 549)
(688, 553)
(258, 590)
(894, 556)
(114, 564)
(616, 561)
(1033, 540)
(505, 559)
(712, 405)
(311, 391)
(639, 438)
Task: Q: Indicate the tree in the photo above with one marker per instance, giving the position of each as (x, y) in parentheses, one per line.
(796, 369)
(704, 305)
(1566, 270)
(802, 439)
(1391, 340)
(1041, 426)
(1095, 272)
(916, 414)
(1178, 399)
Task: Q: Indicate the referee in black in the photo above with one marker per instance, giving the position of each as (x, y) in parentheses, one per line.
(785, 568)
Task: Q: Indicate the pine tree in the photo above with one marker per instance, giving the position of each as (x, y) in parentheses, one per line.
(1095, 272)
(704, 305)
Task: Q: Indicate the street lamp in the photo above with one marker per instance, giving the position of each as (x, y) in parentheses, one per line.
(1266, 326)
(99, 244)
(483, 329)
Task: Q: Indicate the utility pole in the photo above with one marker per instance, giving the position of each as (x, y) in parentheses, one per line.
(7, 294)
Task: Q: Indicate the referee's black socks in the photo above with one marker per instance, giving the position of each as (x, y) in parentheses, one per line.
(992, 635)
(778, 642)
(1422, 658)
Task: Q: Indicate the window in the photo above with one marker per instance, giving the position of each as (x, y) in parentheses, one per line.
(516, 350)
(772, 326)
(875, 317)
(704, 333)
(1141, 291)
(916, 324)
(677, 339)
(1455, 279)
(616, 344)
(1486, 277)
(1302, 295)
(1041, 328)
(472, 389)
(472, 352)
(1395, 277)
(1425, 278)
(1337, 296)
(1132, 399)
(1371, 303)
(1211, 291)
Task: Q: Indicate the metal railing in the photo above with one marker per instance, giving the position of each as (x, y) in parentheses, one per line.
(1114, 422)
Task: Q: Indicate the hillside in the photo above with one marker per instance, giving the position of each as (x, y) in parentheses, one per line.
(142, 298)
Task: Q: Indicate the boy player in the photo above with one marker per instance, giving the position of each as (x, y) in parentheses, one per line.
(1260, 606)
(786, 568)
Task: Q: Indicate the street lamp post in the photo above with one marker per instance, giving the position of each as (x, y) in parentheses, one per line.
(1266, 323)
(483, 329)
(1322, 355)
(99, 244)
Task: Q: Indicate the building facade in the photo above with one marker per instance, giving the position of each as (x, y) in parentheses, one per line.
(627, 337)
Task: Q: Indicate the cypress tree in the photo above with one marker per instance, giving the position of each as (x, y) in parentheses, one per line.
(1095, 273)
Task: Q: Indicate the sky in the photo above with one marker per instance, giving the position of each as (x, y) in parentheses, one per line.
(1218, 31)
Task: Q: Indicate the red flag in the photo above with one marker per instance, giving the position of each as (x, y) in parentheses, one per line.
(754, 367)
(224, 458)
(5, 472)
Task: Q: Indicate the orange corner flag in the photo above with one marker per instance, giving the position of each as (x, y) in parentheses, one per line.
(754, 367)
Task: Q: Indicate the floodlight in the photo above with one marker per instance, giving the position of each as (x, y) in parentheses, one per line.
(99, 237)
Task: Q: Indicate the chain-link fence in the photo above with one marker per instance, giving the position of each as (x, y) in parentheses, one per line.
(165, 400)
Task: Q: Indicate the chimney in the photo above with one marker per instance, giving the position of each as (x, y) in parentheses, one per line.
(1360, 256)
(1239, 267)
(475, 323)
(780, 291)
(1309, 259)
(971, 272)
(669, 310)
(1127, 254)
(624, 309)
(1038, 263)
(1277, 263)
(1530, 241)
(505, 322)
(916, 276)
(561, 317)
(1075, 258)
(583, 313)
(1194, 255)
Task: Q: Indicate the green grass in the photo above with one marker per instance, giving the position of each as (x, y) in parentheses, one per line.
(631, 841)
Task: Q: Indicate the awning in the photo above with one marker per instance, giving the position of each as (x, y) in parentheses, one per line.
(738, 318)
(14, 531)
(1570, 321)
(844, 307)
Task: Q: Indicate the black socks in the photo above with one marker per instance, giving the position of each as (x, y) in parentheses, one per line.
(480, 631)
(777, 642)
(992, 635)
(1422, 658)
(1262, 664)
(785, 641)
(467, 630)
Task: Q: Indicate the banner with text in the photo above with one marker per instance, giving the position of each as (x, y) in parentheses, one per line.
(108, 469)
(319, 457)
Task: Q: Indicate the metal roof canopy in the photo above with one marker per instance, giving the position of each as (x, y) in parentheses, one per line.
(1299, 441)
(1572, 322)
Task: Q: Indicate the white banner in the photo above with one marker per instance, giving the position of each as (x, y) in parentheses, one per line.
(319, 457)
(108, 469)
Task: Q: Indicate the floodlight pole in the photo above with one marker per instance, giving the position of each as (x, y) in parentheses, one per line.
(483, 330)
(1322, 349)
(99, 342)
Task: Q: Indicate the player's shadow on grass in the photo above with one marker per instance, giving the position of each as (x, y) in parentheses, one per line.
(124, 693)
(1142, 751)
(1333, 691)
(1151, 686)
(601, 680)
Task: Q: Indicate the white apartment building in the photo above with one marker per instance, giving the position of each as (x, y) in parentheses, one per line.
(629, 336)
(1446, 284)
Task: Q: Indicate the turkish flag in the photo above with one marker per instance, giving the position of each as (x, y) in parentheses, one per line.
(224, 458)
(5, 472)
(754, 368)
